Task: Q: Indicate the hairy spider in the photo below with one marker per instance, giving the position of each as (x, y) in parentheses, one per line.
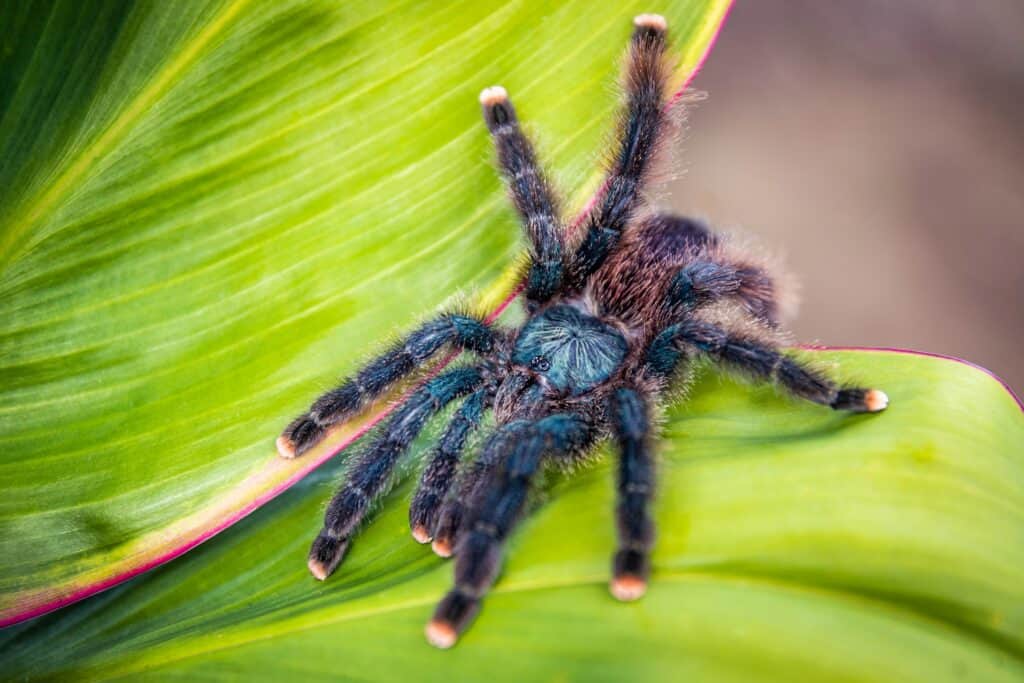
(613, 318)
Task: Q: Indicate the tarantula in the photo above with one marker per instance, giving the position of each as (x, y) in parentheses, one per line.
(613, 318)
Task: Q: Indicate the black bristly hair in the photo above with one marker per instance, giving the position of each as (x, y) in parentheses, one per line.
(611, 322)
(706, 281)
(381, 374)
(367, 478)
(641, 130)
(630, 420)
(530, 193)
(439, 474)
(494, 510)
(474, 481)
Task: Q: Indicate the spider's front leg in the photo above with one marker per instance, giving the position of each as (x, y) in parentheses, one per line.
(641, 130)
(496, 510)
(531, 194)
(367, 478)
(381, 374)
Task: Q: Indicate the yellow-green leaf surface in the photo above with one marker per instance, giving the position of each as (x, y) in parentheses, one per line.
(795, 544)
(209, 211)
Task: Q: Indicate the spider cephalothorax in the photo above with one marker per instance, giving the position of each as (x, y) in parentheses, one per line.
(613, 318)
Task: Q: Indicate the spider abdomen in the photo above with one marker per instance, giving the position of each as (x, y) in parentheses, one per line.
(632, 284)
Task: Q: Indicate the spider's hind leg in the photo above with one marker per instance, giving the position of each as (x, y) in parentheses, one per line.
(381, 374)
(706, 280)
(440, 471)
(368, 477)
(472, 484)
(761, 360)
(494, 514)
(628, 413)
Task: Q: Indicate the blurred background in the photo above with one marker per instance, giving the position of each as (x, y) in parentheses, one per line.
(879, 146)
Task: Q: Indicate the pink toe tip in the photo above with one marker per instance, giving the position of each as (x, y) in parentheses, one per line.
(493, 95)
(654, 21)
(420, 533)
(317, 569)
(441, 634)
(442, 547)
(285, 448)
(628, 587)
(875, 400)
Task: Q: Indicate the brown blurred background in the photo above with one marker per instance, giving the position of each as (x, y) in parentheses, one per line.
(879, 146)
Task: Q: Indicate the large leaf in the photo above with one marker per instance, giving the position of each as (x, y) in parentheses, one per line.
(796, 544)
(206, 210)
(210, 210)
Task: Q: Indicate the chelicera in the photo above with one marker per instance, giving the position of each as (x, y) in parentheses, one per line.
(615, 316)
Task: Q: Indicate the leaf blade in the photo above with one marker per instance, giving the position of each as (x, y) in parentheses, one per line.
(171, 296)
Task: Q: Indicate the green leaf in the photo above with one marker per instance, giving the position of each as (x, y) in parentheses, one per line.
(795, 544)
(207, 211)
(211, 210)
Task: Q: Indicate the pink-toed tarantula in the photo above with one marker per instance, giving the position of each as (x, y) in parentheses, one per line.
(613, 317)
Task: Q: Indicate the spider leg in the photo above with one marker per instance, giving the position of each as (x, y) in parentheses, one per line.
(642, 128)
(379, 375)
(439, 473)
(706, 280)
(760, 359)
(478, 554)
(368, 476)
(531, 194)
(472, 483)
(629, 415)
